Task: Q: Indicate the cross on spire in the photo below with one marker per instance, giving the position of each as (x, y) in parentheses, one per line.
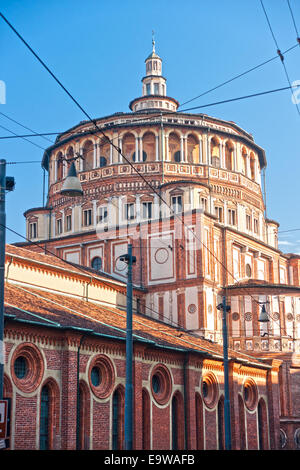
(153, 42)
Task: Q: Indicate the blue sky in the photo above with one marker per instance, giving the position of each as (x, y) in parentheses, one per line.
(97, 49)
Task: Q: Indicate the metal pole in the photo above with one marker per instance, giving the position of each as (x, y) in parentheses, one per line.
(226, 380)
(2, 268)
(129, 348)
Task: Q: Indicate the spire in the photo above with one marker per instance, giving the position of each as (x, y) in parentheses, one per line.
(154, 91)
(153, 42)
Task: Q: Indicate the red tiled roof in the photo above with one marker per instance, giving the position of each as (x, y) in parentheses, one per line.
(56, 262)
(39, 306)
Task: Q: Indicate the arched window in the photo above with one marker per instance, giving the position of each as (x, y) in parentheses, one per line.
(7, 395)
(84, 403)
(192, 149)
(252, 166)
(177, 420)
(128, 146)
(70, 156)
(199, 422)
(103, 162)
(88, 155)
(262, 425)
(144, 156)
(145, 420)
(49, 414)
(149, 146)
(45, 419)
(175, 424)
(97, 263)
(229, 156)
(244, 161)
(221, 430)
(117, 419)
(59, 167)
(215, 152)
(174, 148)
(177, 156)
(242, 432)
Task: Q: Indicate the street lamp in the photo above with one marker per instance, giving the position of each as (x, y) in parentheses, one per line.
(72, 186)
(263, 317)
(129, 260)
(227, 420)
(7, 183)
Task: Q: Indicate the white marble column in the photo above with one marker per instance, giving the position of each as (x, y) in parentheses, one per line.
(225, 213)
(81, 160)
(200, 150)
(156, 206)
(110, 154)
(181, 149)
(94, 213)
(234, 157)
(120, 158)
(167, 149)
(63, 221)
(222, 154)
(136, 149)
(156, 148)
(248, 172)
(138, 207)
(140, 149)
(73, 219)
(95, 156)
(55, 170)
(185, 149)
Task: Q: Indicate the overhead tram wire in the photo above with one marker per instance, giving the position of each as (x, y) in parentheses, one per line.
(278, 51)
(237, 76)
(294, 21)
(35, 134)
(83, 270)
(94, 122)
(96, 277)
(101, 131)
(25, 127)
(230, 100)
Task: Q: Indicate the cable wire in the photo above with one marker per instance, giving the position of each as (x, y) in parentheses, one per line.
(238, 76)
(279, 52)
(294, 21)
(93, 121)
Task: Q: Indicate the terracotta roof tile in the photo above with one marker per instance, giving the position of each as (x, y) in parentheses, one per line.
(46, 307)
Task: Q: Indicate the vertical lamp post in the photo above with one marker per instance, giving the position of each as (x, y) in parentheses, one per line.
(263, 318)
(72, 188)
(227, 420)
(129, 260)
(6, 184)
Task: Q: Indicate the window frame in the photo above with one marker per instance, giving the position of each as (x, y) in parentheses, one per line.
(87, 217)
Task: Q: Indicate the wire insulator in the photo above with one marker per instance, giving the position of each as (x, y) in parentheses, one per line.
(280, 55)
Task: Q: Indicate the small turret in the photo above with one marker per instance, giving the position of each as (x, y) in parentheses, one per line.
(154, 92)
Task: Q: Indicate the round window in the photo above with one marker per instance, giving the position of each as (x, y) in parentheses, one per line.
(283, 438)
(101, 376)
(210, 391)
(161, 384)
(21, 367)
(27, 367)
(97, 263)
(155, 383)
(248, 270)
(96, 376)
(250, 394)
